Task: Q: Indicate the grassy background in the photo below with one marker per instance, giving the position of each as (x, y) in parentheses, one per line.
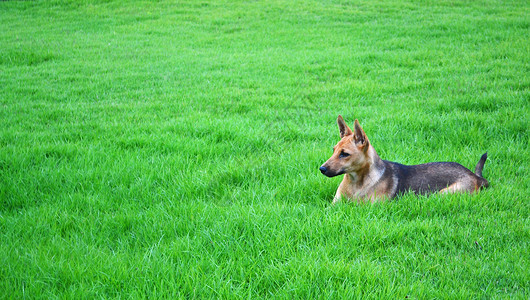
(171, 148)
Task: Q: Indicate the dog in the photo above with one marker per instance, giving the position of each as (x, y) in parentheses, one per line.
(368, 177)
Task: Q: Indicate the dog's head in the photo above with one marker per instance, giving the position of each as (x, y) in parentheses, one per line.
(350, 155)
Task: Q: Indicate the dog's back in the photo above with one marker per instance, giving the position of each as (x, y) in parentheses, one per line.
(434, 177)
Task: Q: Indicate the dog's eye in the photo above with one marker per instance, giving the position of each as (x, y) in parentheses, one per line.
(343, 154)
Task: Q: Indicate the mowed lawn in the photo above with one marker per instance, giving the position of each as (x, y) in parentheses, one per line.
(170, 149)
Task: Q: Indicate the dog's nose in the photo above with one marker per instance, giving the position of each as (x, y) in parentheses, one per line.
(323, 169)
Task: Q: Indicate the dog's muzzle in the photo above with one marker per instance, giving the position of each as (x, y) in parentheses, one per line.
(328, 172)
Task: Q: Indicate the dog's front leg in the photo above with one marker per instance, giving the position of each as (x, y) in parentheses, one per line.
(338, 197)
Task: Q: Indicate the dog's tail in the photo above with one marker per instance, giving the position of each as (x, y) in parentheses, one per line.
(480, 166)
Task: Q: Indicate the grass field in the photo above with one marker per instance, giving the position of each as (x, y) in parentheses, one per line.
(162, 149)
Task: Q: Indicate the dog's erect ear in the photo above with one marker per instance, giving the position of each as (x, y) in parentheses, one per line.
(343, 128)
(359, 136)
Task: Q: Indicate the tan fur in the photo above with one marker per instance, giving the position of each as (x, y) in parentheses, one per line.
(453, 188)
(467, 184)
(365, 183)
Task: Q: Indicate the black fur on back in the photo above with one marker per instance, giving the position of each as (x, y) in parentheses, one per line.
(426, 178)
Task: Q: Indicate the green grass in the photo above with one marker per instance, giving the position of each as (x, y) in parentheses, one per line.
(171, 148)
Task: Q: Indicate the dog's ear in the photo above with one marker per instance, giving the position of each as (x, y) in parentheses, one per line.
(359, 136)
(343, 128)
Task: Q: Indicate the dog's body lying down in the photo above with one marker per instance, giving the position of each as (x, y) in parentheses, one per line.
(369, 177)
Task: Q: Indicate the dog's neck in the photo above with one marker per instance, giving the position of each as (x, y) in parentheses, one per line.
(371, 173)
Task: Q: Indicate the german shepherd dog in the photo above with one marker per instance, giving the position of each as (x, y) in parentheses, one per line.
(368, 177)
